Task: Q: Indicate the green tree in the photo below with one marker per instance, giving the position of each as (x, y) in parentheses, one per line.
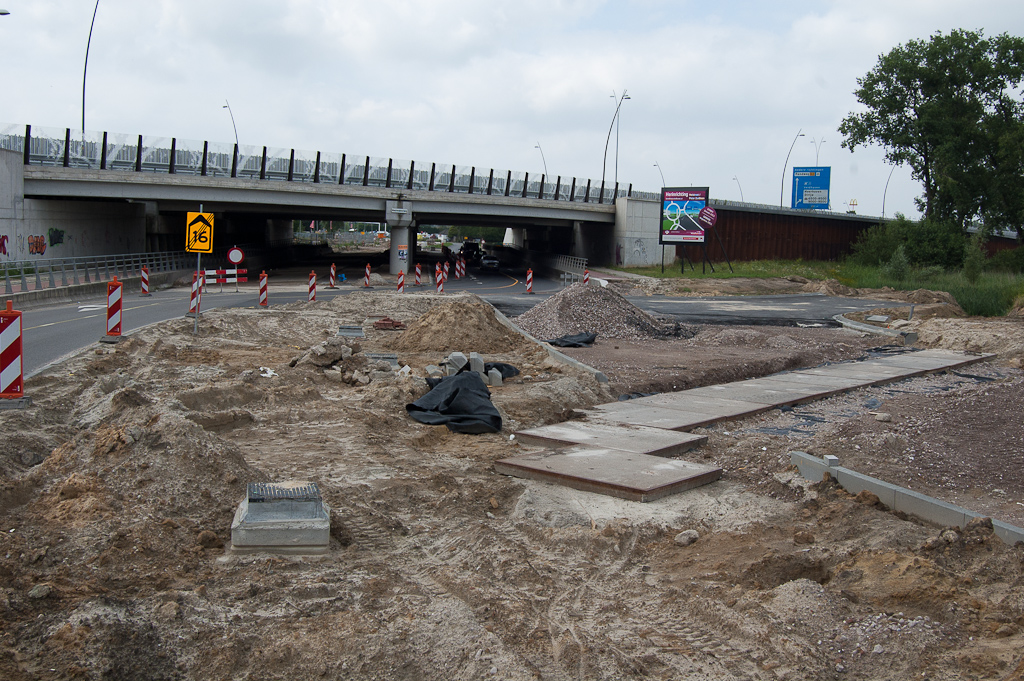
(951, 108)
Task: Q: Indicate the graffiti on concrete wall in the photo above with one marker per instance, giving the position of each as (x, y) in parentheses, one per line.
(37, 245)
(640, 252)
(3, 244)
(56, 236)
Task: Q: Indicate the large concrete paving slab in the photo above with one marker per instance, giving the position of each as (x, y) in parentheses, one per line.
(771, 394)
(715, 407)
(637, 477)
(644, 415)
(626, 438)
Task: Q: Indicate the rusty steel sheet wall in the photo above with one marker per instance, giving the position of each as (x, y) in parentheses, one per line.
(753, 235)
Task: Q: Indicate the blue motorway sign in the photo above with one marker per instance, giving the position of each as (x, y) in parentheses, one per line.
(810, 187)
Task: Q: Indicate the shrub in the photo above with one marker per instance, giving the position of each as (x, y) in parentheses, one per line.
(898, 266)
(1008, 260)
(974, 258)
(926, 243)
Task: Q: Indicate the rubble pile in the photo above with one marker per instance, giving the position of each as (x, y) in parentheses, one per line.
(581, 308)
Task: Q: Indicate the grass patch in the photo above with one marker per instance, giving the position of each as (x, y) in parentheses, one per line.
(991, 295)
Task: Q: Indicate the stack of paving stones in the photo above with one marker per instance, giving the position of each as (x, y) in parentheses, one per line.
(455, 362)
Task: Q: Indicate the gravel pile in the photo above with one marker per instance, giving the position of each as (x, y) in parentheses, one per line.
(593, 309)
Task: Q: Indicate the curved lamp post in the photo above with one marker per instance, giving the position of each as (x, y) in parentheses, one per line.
(227, 105)
(660, 173)
(543, 159)
(782, 185)
(615, 118)
(741, 187)
(817, 148)
(886, 191)
(85, 67)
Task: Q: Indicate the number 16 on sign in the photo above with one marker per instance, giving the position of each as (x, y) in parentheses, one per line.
(199, 240)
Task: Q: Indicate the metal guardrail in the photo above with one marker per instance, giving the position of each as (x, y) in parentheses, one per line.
(569, 264)
(74, 271)
(127, 153)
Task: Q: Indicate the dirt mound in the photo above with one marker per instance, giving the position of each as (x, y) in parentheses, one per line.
(592, 309)
(459, 326)
(1018, 308)
(1004, 337)
(830, 287)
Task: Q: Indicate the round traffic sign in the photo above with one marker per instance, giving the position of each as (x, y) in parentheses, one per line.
(235, 255)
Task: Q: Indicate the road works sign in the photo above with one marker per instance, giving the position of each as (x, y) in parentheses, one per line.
(199, 233)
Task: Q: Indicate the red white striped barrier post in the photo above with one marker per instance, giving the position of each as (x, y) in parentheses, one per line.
(334, 275)
(193, 301)
(586, 277)
(263, 289)
(114, 307)
(145, 281)
(529, 281)
(401, 281)
(366, 277)
(444, 271)
(458, 269)
(462, 264)
(418, 282)
(437, 272)
(312, 286)
(12, 385)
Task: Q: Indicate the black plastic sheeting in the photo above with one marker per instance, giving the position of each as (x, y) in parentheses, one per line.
(576, 340)
(461, 402)
(507, 370)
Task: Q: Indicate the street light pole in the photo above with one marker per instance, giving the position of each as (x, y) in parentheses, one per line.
(886, 191)
(543, 159)
(817, 148)
(782, 185)
(85, 68)
(604, 162)
(227, 105)
(741, 187)
(660, 173)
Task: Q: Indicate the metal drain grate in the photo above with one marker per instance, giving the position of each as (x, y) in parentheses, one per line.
(352, 331)
(260, 492)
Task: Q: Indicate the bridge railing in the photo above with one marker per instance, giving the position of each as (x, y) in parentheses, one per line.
(42, 273)
(127, 153)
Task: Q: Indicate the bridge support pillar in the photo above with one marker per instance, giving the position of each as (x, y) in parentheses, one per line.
(398, 215)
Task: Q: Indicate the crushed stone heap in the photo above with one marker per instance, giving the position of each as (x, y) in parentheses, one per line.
(583, 308)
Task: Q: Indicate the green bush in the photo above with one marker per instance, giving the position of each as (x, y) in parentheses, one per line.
(1009, 260)
(925, 243)
(974, 258)
(898, 266)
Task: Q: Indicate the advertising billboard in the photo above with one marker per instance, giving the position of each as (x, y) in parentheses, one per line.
(810, 187)
(680, 209)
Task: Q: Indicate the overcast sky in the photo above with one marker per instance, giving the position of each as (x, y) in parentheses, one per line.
(718, 90)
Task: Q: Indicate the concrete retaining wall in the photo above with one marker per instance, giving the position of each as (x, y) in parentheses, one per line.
(899, 498)
(637, 226)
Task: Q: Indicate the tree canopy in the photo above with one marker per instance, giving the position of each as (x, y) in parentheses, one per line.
(951, 108)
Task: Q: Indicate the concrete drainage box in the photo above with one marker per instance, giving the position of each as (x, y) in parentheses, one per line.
(284, 517)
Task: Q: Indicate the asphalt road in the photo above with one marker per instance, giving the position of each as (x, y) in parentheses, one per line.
(52, 332)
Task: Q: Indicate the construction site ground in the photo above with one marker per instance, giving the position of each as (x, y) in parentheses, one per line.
(117, 490)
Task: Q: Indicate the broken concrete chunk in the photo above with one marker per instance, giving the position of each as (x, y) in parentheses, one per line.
(687, 537)
(434, 371)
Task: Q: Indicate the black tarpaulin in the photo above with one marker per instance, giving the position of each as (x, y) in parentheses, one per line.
(575, 340)
(461, 402)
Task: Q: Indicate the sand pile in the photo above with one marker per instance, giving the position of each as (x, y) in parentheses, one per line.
(460, 326)
(592, 309)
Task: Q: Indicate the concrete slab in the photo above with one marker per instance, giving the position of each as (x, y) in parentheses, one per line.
(761, 392)
(652, 417)
(718, 408)
(634, 439)
(928, 362)
(637, 477)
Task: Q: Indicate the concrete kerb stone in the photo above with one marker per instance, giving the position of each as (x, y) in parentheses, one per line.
(908, 337)
(552, 353)
(899, 498)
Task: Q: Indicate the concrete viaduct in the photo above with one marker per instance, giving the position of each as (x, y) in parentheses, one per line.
(71, 198)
